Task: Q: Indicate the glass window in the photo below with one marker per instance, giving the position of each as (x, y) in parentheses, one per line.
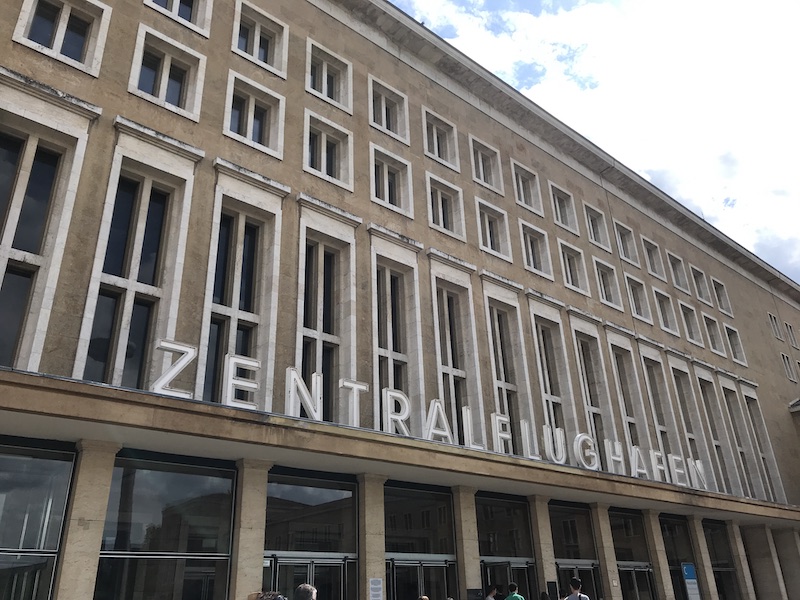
(504, 527)
(630, 543)
(573, 537)
(439, 538)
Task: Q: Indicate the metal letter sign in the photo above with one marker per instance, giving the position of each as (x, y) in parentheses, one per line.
(690, 578)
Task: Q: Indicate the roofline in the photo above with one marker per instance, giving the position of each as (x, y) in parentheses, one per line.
(398, 26)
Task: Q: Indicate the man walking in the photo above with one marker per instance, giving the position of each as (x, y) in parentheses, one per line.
(575, 585)
(512, 592)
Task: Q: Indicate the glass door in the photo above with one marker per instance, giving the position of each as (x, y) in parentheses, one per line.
(334, 579)
(588, 573)
(503, 573)
(637, 584)
(411, 580)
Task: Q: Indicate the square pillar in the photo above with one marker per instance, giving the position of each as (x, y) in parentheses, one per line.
(85, 521)
(740, 561)
(764, 564)
(702, 559)
(787, 544)
(467, 546)
(371, 533)
(249, 525)
(658, 555)
(604, 542)
(542, 540)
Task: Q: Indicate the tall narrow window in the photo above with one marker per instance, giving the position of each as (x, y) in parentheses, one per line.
(630, 400)
(761, 445)
(711, 404)
(392, 338)
(791, 336)
(663, 417)
(550, 353)
(741, 441)
(505, 378)
(493, 225)
(594, 394)
(693, 434)
(574, 268)
(788, 368)
(714, 335)
(453, 355)
(776, 326)
(328, 151)
(637, 294)
(536, 250)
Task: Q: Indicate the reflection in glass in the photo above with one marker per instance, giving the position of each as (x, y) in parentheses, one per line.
(101, 344)
(14, 294)
(503, 527)
(35, 205)
(75, 38)
(10, 151)
(572, 532)
(627, 530)
(150, 578)
(418, 521)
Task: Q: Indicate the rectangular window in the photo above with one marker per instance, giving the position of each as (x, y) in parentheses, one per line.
(776, 326)
(788, 367)
(388, 109)
(662, 410)
(652, 254)
(195, 14)
(721, 294)
(454, 355)
(392, 335)
(735, 344)
(688, 412)
(73, 32)
(626, 242)
(763, 450)
(329, 151)
(791, 336)
(329, 76)
(700, 284)
(260, 38)
(595, 400)
(536, 250)
(678, 270)
(440, 139)
(691, 324)
(486, 165)
(391, 180)
(255, 115)
(445, 206)
(573, 267)
(607, 284)
(629, 397)
(637, 294)
(564, 208)
(526, 188)
(666, 312)
(493, 228)
(596, 226)
(501, 319)
(167, 73)
(552, 365)
(740, 442)
(714, 335)
(711, 404)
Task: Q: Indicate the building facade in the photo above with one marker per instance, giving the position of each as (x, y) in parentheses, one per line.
(293, 291)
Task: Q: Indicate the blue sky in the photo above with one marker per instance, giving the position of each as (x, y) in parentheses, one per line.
(698, 96)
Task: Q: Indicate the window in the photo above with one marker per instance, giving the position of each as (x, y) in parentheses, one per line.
(652, 254)
(388, 109)
(328, 151)
(715, 421)
(255, 115)
(630, 399)
(73, 32)
(445, 207)
(596, 226)
(776, 326)
(637, 294)
(679, 279)
(440, 139)
(501, 321)
(536, 250)
(486, 165)
(167, 73)
(690, 324)
(740, 436)
(607, 284)
(770, 476)
(150, 502)
(791, 336)
(260, 38)
(663, 417)
(788, 367)
(391, 181)
(666, 312)
(564, 208)
(714, 335)
(735, 344)
(573, 267)
(195, 14)
(721, 295)
(595, 392)
(690, 415)
(700, 285)
(329, 76)
(626, 242)
(493, 228)
(526, 188)
(392, 329)
(552, 370)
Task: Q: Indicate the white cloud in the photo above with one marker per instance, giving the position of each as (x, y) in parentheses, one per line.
(701, 90)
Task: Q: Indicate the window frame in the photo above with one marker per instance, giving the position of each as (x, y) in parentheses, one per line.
(775, 324)
(662, 321)
(432, 118)
(742, 360)
(278, 29)
(685, 308)
(504, 241)
(788, 368)
(533, 180)
(647, 318)
(622, 232)
(655, 272)
(480, 148)
(432, 181)
(95, 41)
(707, 319)
(604, 244)
(319, 53)
(195, 61)
(608, 267)
(203, 10)
(344, 139)
(405, 190)
(572, 222)
(542, 235)
(564, 246)
(698, 273)
(277, 107)
(672, 268)
(382, 88)
(791, 335)
(723, 300)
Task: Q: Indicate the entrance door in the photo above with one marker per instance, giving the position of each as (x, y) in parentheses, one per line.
(637, 584)
(334, 579)
(411, 580)
(501, 574)
(589, 575)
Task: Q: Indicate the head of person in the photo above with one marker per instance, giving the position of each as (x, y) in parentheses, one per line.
(305, 591)
(491, 590)
(512, 587)
(575, 584)
(423, 598)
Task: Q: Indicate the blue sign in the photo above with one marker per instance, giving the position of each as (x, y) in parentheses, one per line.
(690, 579)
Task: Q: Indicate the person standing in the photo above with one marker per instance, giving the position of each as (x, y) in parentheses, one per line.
(512, 592)
(491, 592)
(575, 586)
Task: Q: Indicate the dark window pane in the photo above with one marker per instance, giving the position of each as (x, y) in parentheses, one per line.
(175, 85)
(310, 305)
(124, 206)
(220, 294)
(26, 577)
(264, 44)
(249, 260)
(186, 10)
(244, 347)
(244, 38)
(503, 528)
(330, 86)
(136, 351)
(331, 161)
(43, 25)
(75, 38)
(573, 536)
(397, 313)
(313, 150)
(148, 76)
(162, 3)
(178, 578)
(101, 344)
(163, 507)
(314, 75)
(153, 237)
(414, 534)
(35, 206)
(238, 110)
(329, 293)
(10, 150)
(14, 294)
(260, 124)
(216, 335)
(330, 379)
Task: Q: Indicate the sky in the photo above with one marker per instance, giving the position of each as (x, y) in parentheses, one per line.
(700, 97)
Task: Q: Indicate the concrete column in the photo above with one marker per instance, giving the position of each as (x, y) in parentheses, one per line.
(787, 543)
(542, 540)
(85, 520)
(764, 564)
(467, 547)
(740, 561)
(371, 533)
(702, 559)
(658, 555)
(604, 542)
(249, 524)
